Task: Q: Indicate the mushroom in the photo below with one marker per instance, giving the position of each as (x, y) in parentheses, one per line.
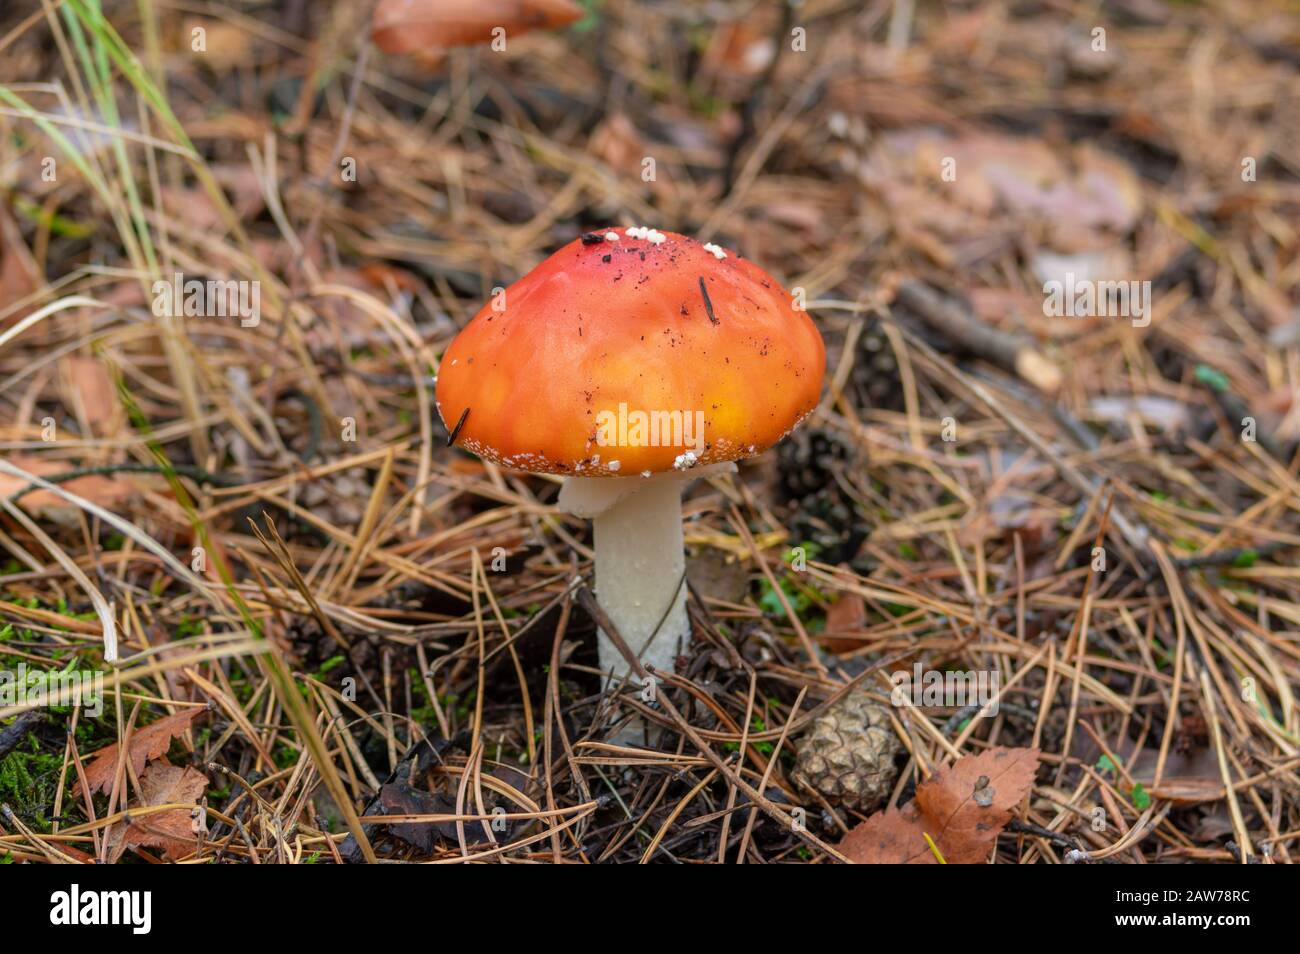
(630, 362)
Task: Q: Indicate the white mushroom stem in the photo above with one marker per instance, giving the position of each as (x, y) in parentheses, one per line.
(640, 561)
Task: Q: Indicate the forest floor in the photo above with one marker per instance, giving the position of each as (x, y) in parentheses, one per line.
(347, 641)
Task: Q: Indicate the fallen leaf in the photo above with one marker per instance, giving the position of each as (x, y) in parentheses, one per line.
(795, 214)
(173, 830)
(1214, 822)
(717, 575)
(381, 275)
(19, 274)
(958, 187)
(108, 492)
(740, 48)
(89, 378)
(399, 798)
(410, 26)
(357, 327)
(1107, 190)
(148, 743)
(962, 807)
(226, 45)
(972, 800)
(848, 614)
(617, 142)
(892, 837)
(243, 191)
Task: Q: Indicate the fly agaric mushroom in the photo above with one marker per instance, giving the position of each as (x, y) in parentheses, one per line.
(631, 361)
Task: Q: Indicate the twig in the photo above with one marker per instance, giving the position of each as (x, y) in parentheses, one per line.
(1007, 351)
(12, 735)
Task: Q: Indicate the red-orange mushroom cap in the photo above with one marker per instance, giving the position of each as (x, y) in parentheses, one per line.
(581, 365)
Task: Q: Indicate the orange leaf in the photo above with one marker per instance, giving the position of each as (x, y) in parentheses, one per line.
(108, 492)
(963, 807)
(971, 801)
(848, 614)
(892, 837)
(148, 743)
(410, 26)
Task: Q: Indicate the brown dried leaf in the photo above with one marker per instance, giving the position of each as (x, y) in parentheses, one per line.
(243, 191)
(226, 46)
(108, 492)
(89, 378)
(381, 276)
(410, 26)
(892, 837)
(399, 798)
(717, 575)
(172, 831)
(1082, 199)
(741, 48)
(806, 216)
(971, 801)
(846, 615)
(618, 143)
(19, 273)
(963, 807)
(148, 743)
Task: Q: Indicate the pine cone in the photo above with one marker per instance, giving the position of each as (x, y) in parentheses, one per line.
(827, 519)
(806, 459)
(821, 512)
(875, 376)
(847, 756)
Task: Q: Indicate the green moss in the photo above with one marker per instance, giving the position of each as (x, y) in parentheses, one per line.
(29, 779)
(189, 626)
